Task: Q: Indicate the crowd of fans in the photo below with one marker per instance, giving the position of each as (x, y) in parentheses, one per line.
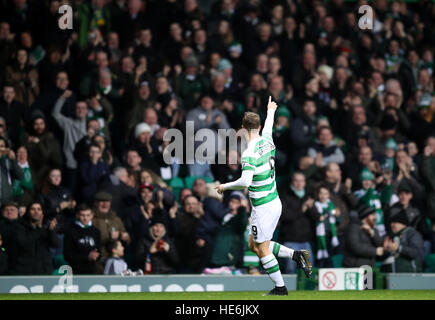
(83, 113)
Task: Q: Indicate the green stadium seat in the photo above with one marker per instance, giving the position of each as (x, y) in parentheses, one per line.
(176, 184)
(429, 263)
(337, 261)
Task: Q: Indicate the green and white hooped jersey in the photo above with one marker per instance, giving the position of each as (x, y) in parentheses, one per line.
(260, 157)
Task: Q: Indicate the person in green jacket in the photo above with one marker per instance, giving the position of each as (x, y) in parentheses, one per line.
(91, 16)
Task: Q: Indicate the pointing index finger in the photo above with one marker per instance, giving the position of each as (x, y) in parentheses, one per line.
(270, 99)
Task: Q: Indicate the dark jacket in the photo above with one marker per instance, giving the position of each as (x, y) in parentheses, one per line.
(185, 241)
(91, 175)
(162, 262)
(33, 244)
(303, 133)
(229, 241)
(294, 225)
(78, 243)
(210, 221)
(409, 257)
(359, 246)
(9, 171)
(43, 155)
(428, 173)
(16, 118)
(8, 232)
(3, 261)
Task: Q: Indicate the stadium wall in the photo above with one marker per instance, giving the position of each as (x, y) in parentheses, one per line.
(149, 283)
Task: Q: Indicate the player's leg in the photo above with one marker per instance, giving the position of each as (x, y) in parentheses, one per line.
(280, 250)
(270, 264)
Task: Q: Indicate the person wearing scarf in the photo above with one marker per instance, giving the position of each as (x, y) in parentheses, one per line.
(326, 228)
(371, 197)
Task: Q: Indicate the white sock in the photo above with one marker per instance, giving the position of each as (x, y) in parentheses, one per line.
(271, 266)
(280, 251)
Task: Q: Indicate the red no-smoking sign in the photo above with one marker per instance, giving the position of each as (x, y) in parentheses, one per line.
(329, 280)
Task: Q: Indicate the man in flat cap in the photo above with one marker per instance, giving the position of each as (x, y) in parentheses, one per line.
(362, 241)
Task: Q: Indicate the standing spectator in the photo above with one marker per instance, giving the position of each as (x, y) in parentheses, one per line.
(57, 200)
(326, 213)
(9, 171)
(428, 174)
(9, 221)
(34, 239)
(74, 130)
(3, 258)
(303, 130)
(82, 247)
(162, 250)
(370, 196)
(297, 222)
(24, 190)
(92, 172)
(109, 225)
(93, 15)
(43, 148)
(23, 77)
(190, 253)
(206, 116)
(14, 113)
(362, 241)
(229, 238)
(405, 247)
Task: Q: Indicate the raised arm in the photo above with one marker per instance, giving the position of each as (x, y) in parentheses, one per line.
(268, 124)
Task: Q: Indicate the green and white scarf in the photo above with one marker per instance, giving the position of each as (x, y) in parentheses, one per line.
(372, 198)
(325, 209)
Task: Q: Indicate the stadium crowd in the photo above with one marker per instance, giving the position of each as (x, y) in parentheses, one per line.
(83, 113)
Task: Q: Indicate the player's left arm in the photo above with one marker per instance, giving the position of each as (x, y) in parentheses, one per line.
(268, 124)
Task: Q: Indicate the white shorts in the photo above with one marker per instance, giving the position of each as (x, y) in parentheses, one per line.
(264, 220)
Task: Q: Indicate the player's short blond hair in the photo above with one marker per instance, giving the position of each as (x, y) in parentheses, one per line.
(251, 120)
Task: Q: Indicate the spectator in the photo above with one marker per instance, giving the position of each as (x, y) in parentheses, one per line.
(92, 172)
(369, 195)
(14, 114)
(43, 148)
(24, 190)
(325, 148)
(162, 250)
(190, 253)
(363, 244)
(3, 258)
(34, 239)
(303, 130)
(115, 265)
(57, 200)
(229, 238)
(8, 226)
(428, 173)
(297, 222)
(90, 16)
(206, 116)
(326, 213)
(9, 171)
(74, 130)
(23, 77)
(405, 248)
(82, 247)
(109, 225)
